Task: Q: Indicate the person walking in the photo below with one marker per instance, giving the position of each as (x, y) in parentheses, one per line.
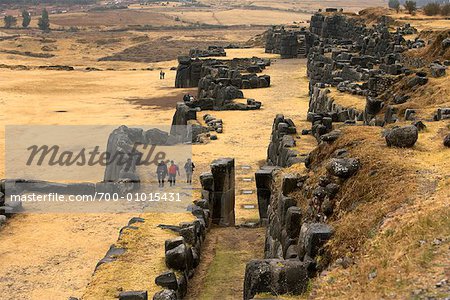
(161, 74)
(161, 172)
(173, 171)
(189, 168)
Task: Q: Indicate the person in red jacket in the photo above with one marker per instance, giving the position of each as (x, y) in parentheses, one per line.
(173, 171)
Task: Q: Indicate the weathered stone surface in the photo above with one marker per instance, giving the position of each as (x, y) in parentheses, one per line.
(176, 258)
(312, 237)
(447, 141)
(402, 137)
(167, 280)
(293, 221)
(275, 276)
(173, 243)
(289, 183)
(133, 295)
(165, 295)
(343, 167)
(263, 180)
(438, 70)
(223, 201)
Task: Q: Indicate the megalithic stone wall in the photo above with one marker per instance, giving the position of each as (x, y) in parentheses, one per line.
(281, 150)
(224, 191)
(188, 72)
(218, 188)
(264, 179)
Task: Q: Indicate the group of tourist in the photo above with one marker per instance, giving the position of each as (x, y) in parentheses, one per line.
(171, 171)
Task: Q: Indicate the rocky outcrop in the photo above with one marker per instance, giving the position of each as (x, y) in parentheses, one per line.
(191, 70)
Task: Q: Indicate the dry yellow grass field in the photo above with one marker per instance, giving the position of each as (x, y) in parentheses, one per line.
(34, 96)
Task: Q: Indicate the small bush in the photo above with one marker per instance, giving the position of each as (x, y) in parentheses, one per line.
(432, 9)
(410, 6)
(394, 4)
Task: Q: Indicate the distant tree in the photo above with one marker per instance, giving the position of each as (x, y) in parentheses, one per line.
(432, 9)
(394, 4)
(10, 21)
(410, 6)
(44, 22)
(445, 9)
(26, 19)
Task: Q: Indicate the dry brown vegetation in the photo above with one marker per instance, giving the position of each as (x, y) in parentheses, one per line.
(391, 218)
(433, 51)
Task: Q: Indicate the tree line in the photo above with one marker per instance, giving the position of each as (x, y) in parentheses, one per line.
(430, 9)
(43, 22)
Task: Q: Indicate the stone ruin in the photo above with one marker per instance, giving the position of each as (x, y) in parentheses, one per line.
(183, 253)
(295, 232)
(211, 51)
(191, 70)
(359, 60)
(219, 82)
(281, 150)
(218, 189)
(289, 43)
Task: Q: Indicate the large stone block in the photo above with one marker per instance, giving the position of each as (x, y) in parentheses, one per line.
(275, 276)
(312, 237)
(223, 201)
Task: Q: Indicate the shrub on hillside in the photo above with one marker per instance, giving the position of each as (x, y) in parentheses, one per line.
(432, 9)
(394, 4)
(410, 6)
(445, 9)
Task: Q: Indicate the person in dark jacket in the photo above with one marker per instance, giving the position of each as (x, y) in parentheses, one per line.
(161, 173)
(189, 168)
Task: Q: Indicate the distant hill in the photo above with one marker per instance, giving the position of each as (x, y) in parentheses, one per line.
(35, 2)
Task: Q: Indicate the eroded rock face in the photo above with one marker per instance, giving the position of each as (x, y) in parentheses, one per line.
(402, 137)
(343, 167)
